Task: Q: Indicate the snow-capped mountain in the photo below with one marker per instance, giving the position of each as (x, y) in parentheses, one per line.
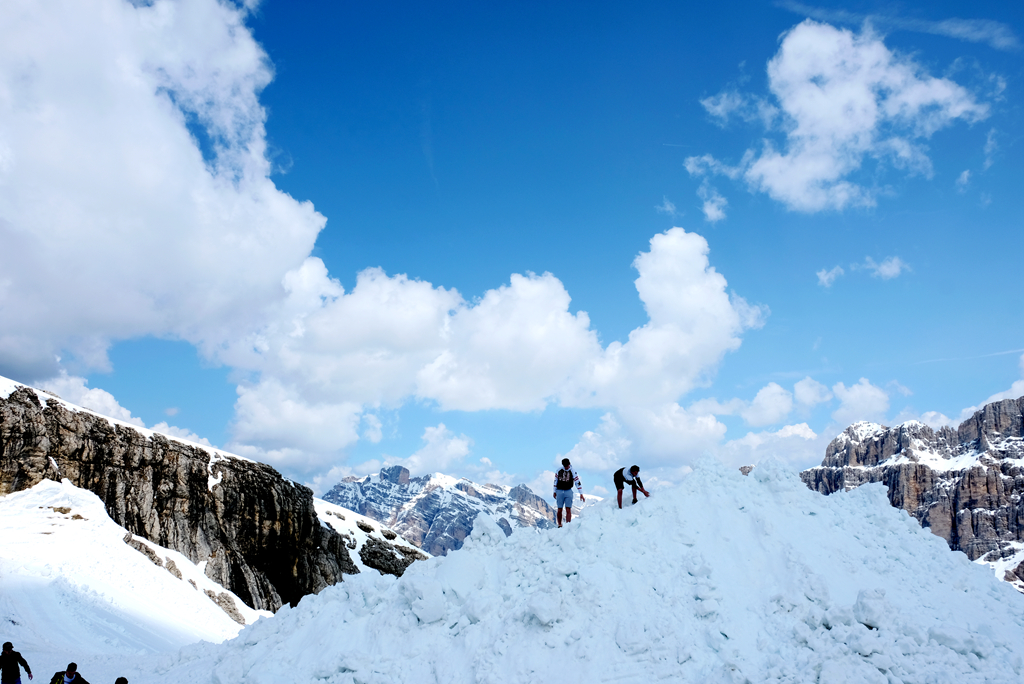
(436, 512)
(965, 485)
(723, 579)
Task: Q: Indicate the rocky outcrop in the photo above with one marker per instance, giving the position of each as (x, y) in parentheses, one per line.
(965, 485)
(256, 531)
(436, 512)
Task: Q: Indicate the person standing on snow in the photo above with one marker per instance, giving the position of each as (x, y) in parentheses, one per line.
(68, 676)
(564, 479)
(11, 663)
(634, 480)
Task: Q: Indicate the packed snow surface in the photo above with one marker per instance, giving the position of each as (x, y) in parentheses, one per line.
(724, 578)
(72, 589)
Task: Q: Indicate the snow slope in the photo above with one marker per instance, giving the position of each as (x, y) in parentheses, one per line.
(725, 578)
(71, 587)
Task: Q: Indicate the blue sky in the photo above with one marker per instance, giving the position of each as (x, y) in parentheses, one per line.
(191, 195)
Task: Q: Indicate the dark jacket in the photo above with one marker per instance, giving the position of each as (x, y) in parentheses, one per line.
(58, 678)
(9, 666)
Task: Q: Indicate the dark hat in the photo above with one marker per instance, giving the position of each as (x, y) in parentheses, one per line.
(8, 646)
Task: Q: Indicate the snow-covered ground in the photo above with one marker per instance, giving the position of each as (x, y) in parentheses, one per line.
(725, 578)
(72, 589)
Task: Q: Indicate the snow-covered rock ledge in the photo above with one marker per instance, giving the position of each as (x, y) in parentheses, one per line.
(257, 533)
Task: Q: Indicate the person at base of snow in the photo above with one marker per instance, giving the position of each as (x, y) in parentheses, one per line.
(11, 663)
(564, 479)
(68, 676)
(621, 482)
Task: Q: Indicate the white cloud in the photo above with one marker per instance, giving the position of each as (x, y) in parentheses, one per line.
(997, 34)
(115, 226)
(962, 181)
(180, 433)
(373, 432)
(862, 401)
(826, 278)
(714, 204)
(668, 435)
(603, 448)
(771, 405)
(666, 207)
(891, 267)
(796, 444)
(442, 449)
(991, 147)
(113, 223)
(73, 389)
(808, 392)
(845, 98)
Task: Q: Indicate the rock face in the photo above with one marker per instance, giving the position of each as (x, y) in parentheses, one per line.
(965, 485)
(436, 512)
(257, 532)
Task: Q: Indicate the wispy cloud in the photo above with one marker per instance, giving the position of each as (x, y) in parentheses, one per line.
(826, 278)
(996, 34)
(714, 204)
(891, 267)
(666, 207)
(991, 147)
(963, 181)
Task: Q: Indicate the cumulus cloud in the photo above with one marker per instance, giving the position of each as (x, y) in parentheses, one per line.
(74, 389)
(808, 392)
(141, 205)
(603, 448)
(826, 278)
(771, 405)
(843, 98)
(796, 444)
(114, 223)
(441, 449)
(862, 401)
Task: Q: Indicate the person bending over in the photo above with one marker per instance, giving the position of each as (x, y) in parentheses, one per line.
(564, 480)
(633, 479)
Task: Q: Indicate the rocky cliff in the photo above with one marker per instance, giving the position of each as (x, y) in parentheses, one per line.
(965, 485)
(436, 512)
(257, 532)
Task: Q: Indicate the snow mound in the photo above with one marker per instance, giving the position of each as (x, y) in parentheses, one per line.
(725, 578)
(71, 588)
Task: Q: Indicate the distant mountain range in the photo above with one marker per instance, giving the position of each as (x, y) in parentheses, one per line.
(965, 485)
(435, 512)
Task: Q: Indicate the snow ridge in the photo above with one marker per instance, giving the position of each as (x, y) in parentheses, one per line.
(725, 578)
